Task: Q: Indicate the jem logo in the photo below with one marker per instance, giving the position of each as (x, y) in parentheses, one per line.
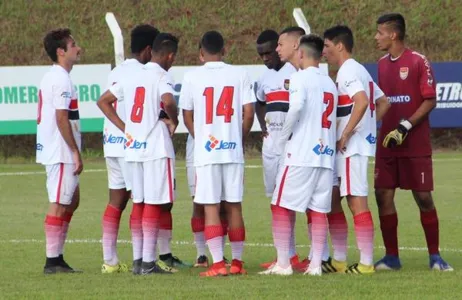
(112, 139)
(321, 149)
(213, 142)
(371, 139)
(134, 144)
(39, 147)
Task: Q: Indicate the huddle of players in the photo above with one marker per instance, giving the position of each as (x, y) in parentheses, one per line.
(299, 152)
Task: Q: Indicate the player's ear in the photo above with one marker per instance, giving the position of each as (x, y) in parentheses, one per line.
(201, 56)
(60, 52)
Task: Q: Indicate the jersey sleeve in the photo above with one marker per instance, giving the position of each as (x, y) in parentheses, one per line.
(117, 90)
(186, 101)
(296, 92)
(377, 91)
(62, 94)
(166, 85)
(351, 84)
(260, 91)
(248, 95)
(426, 79)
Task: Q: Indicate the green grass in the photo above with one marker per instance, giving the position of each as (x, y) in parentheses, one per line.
(23, 206)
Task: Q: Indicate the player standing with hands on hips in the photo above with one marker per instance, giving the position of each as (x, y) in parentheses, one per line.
(404, 153)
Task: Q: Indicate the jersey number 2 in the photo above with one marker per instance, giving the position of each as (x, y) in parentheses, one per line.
(224, 106)
(329, 100)
(138, 107)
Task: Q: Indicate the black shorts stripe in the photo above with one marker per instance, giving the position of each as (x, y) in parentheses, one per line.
(74, 115)
(343, 111)
(277, 106)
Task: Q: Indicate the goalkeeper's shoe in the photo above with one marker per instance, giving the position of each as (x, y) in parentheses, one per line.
(202, 262)
(438, 264)
(388, 262)
(237, 268)
(277, 270)
(359, 268)
(118, 268)
(217, 269)
(155, 267)
(175, 262)
(334, 266)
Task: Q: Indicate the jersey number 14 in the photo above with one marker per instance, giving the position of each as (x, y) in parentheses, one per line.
(224, 107)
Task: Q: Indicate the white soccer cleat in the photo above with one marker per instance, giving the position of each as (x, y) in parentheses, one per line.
(313, 271)
(277, 270)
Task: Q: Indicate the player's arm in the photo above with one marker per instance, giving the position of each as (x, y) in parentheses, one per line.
(186, 104)
(105, 104)
(188, 118)
(171, 110)
(382, 106)
(248, 107)
(260, 109)
(248, 118)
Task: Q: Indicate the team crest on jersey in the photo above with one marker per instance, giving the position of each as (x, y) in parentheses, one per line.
(403, 72)
(286, 84)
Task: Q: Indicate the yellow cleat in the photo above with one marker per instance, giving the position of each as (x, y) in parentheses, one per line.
(334, 266)
(360, 269)
(166, 267)
(119, 268)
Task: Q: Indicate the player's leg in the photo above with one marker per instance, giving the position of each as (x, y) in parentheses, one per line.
(225, 225)
(208, 194)
(353, 185)
(419, 178)
(385, 182)
(118, 198)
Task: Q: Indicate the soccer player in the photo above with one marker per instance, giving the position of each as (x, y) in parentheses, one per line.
(404, 151)
(305, 183)
(58, 144)
(217, 103)
(360, 105)
(149, 148)
(142, 37)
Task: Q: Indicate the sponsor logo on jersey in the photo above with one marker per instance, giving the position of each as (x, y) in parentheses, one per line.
(39, 147)
(371, 139)
(399, 99)
(215, 144)
(403, 72)
(134, 144)
(287, 84)
(321, 149)
(66, 95)
(273, 126)
(112, 139)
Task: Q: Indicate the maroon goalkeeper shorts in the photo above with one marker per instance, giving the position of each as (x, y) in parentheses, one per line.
(407, 173)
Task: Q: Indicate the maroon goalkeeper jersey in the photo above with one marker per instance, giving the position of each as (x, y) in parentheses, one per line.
(407, 81)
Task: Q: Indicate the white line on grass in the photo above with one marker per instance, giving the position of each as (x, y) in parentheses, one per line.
(187, 243)
(183, 168)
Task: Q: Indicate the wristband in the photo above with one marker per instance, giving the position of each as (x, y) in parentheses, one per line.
(406, 124)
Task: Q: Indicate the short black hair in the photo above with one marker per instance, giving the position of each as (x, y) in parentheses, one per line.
(294, 30)
(165, 43)
(396, 22)
(55, 39)
(142, 36)
(267, 35)
(340, 34)
(315, 43)
(212, 42)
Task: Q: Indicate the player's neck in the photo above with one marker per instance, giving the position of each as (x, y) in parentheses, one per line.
(161, 63)
(396, 50)
(343, 59)
(295, 62)
(279, 66)
(305, 64)
(66, 65)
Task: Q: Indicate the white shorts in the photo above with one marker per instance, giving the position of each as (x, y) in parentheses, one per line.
(118, 173)
(353, 175)
(153, 182)
(218, 182)
(303, 188)
(191, 177)
(271, 166)
(61, 183)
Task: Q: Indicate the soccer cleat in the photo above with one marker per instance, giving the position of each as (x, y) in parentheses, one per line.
(166, 267)
(57, 265)
(64, 264)
(175, 262)
(437, 263)
(201, 262)
(277, 270)
(119, 268)
(217, 269)
(301, 266)
(136, 267)
(388, 262)
(359, 268)
(227, 263)
(293, 261)
(313, 271)
(334, 266)
(237, 268)
(154, 267)
(56, 269)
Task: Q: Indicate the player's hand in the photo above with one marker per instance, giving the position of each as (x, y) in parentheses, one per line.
(395, 137)
(170, 126)
(78, 162)
(341, 144)
(264, 132)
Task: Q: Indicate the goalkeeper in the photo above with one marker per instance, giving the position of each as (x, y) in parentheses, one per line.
(403, 158)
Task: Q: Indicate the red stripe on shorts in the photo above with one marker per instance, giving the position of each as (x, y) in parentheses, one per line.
(169, 179)
(281, 186)
(348, 176)
(61, 171)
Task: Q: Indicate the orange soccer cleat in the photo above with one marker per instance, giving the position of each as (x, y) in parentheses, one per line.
(217, 269)
(237, 268)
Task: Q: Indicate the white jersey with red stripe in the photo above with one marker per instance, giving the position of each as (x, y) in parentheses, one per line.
(217, 92)
(56, 93)
(352, 78)
(147, 137)
(313, 140)
(113, 138)
(273, 88)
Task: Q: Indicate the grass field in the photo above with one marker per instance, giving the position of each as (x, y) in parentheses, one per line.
(23, 205)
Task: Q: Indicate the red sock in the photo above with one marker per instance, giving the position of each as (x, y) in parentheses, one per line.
(282, 230)
(430, 224)
(197, 226)
(165, 232)
(338, 229)
(237, 238)
(389, 227)
(53, 234)
(136, 229)
(151, 216)
(214, 238)
(319, 230)
(111, 221)
(66, 221)
(364, 229)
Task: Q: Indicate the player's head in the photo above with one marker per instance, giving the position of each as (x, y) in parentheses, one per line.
(267, 42)
(142, 37)
(338, 43)
(211, 46)
(61, 47)
(310, 50)
(164, 49)
(288, 43)
(390, 28)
